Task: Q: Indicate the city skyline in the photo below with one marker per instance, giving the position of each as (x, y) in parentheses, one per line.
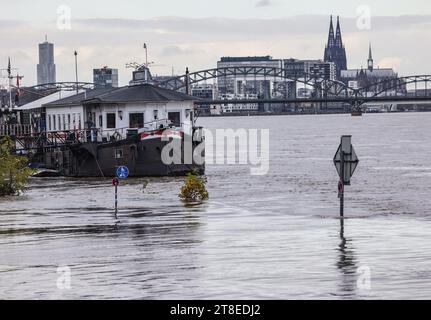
(185, 40)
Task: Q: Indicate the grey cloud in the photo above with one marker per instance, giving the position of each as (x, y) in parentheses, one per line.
(174, 50)
(297, 25)
(198, 43)
(263, 3)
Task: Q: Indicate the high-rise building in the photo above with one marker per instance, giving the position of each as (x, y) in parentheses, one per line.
(46, 66)
(334, 49)
(105, 77)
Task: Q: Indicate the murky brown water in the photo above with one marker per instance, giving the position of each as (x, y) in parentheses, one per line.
(273, 236)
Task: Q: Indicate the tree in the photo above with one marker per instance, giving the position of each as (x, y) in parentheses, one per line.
(14, 170)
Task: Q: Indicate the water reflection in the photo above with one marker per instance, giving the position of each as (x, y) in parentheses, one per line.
(347, 264)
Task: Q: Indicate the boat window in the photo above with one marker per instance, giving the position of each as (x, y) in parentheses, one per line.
(110, 121)
(136, 120)
(118, 153)
(175, 118)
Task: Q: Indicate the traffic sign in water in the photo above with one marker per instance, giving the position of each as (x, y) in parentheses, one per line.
(345, 161)
(122, 172)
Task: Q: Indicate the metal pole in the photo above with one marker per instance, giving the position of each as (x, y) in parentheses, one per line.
(10, 92)
(116, 202)
(76, 70)
(187, 81)
(146, 55)
(342, 185)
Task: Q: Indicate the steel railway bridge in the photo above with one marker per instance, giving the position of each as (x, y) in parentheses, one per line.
(408, 89)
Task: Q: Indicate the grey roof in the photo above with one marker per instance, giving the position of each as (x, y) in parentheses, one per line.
(378, 73)
(80, 97)
(239, 59)
(137, 93)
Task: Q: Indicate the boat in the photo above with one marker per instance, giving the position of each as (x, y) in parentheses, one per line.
(356, 111)
(92, 133)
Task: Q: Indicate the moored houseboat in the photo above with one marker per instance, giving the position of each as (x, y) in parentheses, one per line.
(93, 132)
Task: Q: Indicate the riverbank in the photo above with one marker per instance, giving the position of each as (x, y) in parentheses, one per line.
(244, 114)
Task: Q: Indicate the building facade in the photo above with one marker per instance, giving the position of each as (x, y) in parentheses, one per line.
(250, 84)
(105, 77)
(314, 68)
(46, 66)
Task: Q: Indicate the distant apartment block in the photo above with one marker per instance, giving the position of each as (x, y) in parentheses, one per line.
(105, 77)
(250, 84)
(312, 68)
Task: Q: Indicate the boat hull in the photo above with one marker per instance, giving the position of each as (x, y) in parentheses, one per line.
(94, 159)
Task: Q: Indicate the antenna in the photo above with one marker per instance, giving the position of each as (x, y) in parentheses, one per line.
(146, 64)
(134, 65)
(146, 55)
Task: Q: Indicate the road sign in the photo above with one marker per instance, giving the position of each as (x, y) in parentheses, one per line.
(340, 188)
(115, 182)
(345, 160)
(122, 172)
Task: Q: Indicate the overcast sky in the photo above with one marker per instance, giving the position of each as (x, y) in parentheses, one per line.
(196, 33)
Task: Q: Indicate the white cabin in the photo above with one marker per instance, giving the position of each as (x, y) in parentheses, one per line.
(116, 110)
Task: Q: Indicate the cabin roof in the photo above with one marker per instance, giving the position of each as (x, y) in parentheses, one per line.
(137, 93)
(35, 104)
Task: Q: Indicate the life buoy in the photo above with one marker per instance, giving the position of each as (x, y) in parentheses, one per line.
(116, 136)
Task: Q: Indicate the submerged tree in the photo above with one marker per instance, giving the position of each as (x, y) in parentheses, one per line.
(194, 188)
(14, 170)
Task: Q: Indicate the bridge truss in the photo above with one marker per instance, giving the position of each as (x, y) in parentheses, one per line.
(323, 90)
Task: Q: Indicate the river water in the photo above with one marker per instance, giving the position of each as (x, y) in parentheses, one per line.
(274, 236)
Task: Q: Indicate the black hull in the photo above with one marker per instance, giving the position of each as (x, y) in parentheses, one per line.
(95, 159)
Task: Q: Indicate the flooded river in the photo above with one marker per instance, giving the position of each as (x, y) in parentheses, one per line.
(259, 237)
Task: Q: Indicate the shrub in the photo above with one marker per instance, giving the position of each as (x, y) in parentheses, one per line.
(193, 189)
(14, 170)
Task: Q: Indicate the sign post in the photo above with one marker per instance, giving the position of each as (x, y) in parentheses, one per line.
(122, 173)
(345, 161)
(115, 183)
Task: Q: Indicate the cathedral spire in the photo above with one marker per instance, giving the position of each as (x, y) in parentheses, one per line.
(331, 38)
(338, 40)
(370, 60)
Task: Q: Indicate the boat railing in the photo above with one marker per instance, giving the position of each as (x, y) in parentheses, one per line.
(27, 138)
(14, 130)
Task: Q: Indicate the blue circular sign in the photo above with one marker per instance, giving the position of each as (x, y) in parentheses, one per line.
(122, 172)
